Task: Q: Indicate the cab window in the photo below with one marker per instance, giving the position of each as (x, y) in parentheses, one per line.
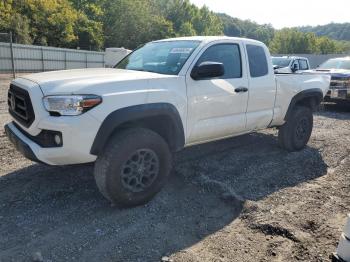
(296, 65)
(257, 61)
(227, 54)
(303, 64)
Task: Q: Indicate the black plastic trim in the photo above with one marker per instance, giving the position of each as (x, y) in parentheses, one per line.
(136, 113)
(28, 118)
(308, 93)
(20, 145)
(45, 139)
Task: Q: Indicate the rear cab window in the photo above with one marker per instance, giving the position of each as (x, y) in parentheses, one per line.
(258, 65)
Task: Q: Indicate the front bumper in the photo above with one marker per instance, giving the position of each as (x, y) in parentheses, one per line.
(20, 145)
(75, 149)
(338, 94)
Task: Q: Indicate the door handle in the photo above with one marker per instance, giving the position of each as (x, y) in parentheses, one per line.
(241, 90)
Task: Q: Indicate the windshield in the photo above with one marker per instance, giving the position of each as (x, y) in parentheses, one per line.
(281, 61)
(165, 57)
(335, 64)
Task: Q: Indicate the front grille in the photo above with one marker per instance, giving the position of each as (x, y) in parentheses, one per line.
(20, 105)
(339, 82)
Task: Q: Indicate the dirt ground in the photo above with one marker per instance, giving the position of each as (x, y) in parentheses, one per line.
(240, 199)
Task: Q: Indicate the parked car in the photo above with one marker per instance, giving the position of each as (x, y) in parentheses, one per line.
(164, 96)
(290, 64)
(339, 69)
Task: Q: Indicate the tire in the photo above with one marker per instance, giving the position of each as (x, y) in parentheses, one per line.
(296, 132)
(133, 167)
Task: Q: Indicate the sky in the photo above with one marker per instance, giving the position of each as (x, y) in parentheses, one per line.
(283, 13)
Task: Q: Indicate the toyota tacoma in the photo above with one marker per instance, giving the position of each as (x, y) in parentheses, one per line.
(164, 96)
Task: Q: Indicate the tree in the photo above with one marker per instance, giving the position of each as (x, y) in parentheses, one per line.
(130, 24)
(51, 21)
(291, 41)
(95, 24)
(187, 29)
(89, 26)
(10, 20)
(245, 28)
(337, 31)
(326, 45)
(206, 22)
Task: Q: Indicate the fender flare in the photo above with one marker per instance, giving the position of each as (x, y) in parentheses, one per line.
(308, 93)
(135, 113)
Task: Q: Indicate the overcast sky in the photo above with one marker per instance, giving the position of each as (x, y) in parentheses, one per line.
(283, 13)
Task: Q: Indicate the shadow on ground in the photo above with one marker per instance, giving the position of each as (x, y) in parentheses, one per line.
(59, 212)
(332, 110)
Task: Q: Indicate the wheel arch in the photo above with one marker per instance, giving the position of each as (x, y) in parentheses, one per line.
(162, 118)
(310, 98)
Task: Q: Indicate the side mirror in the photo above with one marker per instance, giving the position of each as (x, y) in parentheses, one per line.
(207, 70)
(294, 68)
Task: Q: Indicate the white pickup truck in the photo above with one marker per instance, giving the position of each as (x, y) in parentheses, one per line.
(164, 96)
(290, 64)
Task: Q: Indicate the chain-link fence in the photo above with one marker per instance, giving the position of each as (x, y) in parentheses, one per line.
(17, 58)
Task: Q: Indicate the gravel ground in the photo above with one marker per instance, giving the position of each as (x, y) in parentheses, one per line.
(240, 199)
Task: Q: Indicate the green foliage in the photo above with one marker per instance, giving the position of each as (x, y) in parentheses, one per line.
(188, 19)
(187, 29)
(10, 20)
(292, 41)
(245, 28)
(95, 24)
(131, 23)
(49, 22)
(333, 30)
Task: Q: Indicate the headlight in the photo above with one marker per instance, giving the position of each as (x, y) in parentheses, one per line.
(70, 105)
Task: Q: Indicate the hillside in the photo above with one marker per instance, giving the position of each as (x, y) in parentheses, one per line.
(335, 31)
(245, 28)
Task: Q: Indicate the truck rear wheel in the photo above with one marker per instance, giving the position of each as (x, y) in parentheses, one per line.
(133, 167)
(296, 132)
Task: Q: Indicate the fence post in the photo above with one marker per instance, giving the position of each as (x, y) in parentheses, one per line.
(65, 59)
(86, 60)
(12, 57)
(42, 59)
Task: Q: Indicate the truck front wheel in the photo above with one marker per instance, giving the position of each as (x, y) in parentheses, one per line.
(133, 167)
(296, 132)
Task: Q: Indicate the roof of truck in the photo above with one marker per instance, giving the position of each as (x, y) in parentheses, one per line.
(290, 57)
(208, 39)
(341, 58)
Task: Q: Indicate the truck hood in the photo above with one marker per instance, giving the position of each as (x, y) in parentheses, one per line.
(80, 81)
(334, 71)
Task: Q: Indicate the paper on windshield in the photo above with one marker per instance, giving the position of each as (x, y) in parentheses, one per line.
(179, 50)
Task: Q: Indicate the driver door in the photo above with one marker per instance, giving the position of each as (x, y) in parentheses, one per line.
(217, 106)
